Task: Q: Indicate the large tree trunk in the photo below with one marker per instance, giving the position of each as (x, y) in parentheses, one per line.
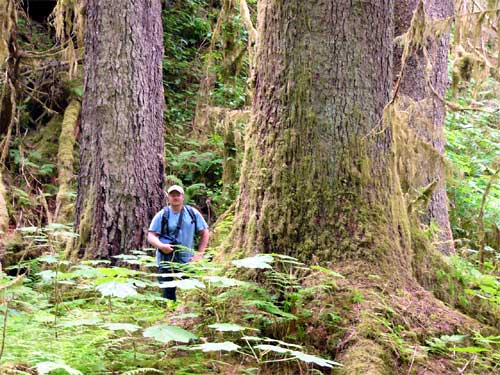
(121, 177)
(318, 179)
(423, 164)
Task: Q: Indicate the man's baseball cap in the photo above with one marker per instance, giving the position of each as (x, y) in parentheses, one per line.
(175, 188)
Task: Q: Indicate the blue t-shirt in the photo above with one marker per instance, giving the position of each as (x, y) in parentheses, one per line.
(185, 236)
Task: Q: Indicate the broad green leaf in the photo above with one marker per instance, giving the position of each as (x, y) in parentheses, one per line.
(121, 327)
(48, 259)
(165, 333)
(257, 262)
(316, 360)
(184, 284)
(217, 346)
(453, 338)
(115, 289)
(117, 271)
(96, 261)
(227, 327)
(223, 281)
(252, 338)
(283, 343)
(77, 91)
(47, 275)
(270, 308)
(84, 271)
(56, 226)
(82, 322)
(469, 349)
(125, 256)
(44, 368)
(272, 348)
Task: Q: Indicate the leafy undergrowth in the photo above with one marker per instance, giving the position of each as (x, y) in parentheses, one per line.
(472, 147)
(259, 315)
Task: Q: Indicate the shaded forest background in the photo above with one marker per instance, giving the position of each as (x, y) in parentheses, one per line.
(207, 81)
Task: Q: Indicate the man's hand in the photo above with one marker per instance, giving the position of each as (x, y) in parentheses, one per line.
(204, 235)
(196, 257)
(166, 248)
(154, 240)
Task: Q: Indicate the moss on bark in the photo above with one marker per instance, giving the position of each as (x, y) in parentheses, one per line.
(321, 175)
(65, 160)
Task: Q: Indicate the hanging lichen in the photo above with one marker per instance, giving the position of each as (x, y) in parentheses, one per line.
(7, 8)
(477, 33)
(68, 20)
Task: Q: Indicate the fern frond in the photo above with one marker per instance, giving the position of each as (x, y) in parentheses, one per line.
(141, 371)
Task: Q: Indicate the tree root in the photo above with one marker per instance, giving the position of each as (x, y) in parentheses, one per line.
(383, 324)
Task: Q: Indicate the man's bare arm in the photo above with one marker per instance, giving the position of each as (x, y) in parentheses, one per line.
(154, 240)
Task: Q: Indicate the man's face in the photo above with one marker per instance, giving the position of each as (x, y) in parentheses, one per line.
(175, 198)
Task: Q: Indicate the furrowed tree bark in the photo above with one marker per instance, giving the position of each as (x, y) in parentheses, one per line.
(320, 177)
(120, 184)
(317, 180)
(423, 162)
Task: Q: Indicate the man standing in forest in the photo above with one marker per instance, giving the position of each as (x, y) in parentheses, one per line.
(172, 232)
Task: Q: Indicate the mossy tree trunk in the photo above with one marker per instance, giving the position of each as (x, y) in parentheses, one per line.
(423, 162)
(318, 176)
(65, 160)
(120, 184)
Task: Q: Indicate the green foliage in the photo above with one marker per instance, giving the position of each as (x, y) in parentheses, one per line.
(45, 368)
(255, 262)
(165, 334)
(68, 301)
(186, 27)
(116, 289)
(472, 148)
(478, 284)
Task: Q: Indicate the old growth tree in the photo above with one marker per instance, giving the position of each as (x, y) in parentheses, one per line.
(320, 177)
(421, 82)
(120, 184)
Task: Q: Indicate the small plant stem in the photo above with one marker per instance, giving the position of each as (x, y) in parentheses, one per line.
(109, 304)
(56, 300)
(253, 351)
(278, 360)
(4, 330)
(482, 234)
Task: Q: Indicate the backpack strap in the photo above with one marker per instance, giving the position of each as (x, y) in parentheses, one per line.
(164, 221)
(166, 214)
(193, 218)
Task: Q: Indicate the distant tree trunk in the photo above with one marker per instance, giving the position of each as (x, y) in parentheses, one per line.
(121, 176)
(318, 179)
(427, 116)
